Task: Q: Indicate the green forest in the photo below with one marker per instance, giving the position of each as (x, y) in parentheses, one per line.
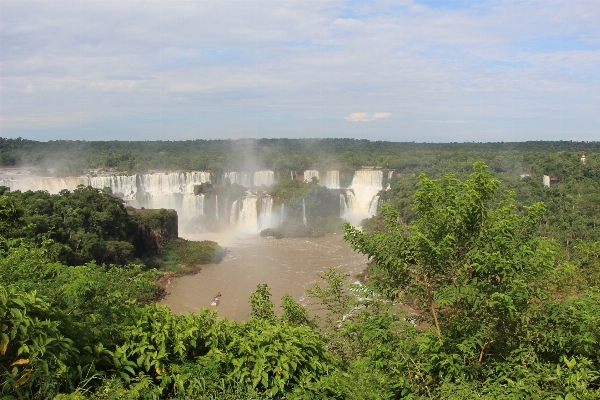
(482, 283)
(63, 157)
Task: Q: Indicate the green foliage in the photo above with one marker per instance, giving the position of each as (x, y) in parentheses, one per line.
(164, 221)
(85, 225)
(478, 274)
(465, 298)
(334, 296)
(33, 351)
(296, 229)
(294, 313)
(153, 229)
(319, 201)
(261, 304)
(324, 225)
(180, 254)
(11, 215)
(203, 188)
(281, 155)
(587, 257)
(273, 358)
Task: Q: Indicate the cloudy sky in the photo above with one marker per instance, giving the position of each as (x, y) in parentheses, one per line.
(410, 70)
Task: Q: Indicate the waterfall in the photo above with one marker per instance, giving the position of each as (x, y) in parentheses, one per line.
(361, 198)
(390, 174)
(158, 200)
(264, 178)
(192, 206)
(232, 177)
(233, 216)
(343, 206)
(50, 185)
(123, 186)
(304, 213)
(226, 208)
(248, 215)
(265, 213)
(308, 175)
(216, 206)
(173, 182)
(241, 178)
(282, 211)
(246, 179)
(332, 180)
(373, 206)
(173, 190)
(292, 174)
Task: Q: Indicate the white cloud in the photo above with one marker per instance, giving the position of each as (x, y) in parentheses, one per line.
(288, 60)
(113, 85)
(379, 115)
(357, 116)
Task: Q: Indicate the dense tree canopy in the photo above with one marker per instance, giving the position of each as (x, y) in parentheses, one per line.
(483, 283)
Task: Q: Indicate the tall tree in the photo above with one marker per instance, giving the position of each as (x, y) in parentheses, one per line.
(469, 260)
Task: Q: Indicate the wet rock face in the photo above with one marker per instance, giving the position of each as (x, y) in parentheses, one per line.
(154, 228)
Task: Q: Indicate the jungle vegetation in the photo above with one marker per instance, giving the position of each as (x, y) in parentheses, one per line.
(65, 157)
(482, 284)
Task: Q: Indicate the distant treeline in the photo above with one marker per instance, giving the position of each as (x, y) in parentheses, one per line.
(281, 155)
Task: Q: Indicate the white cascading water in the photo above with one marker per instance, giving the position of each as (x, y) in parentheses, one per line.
(309, 174)
(248, 214)
(173, 190)
(241, 178)
(343, 206)
(176, 191)
(173, 182)
(304, 212)
(51, 185)
(192, 205)
(216, 206)
(282, 214)
(264, 178)
(265, 213)
(365, 186)
(124, 186)
(374, 205)
(233, 216)
(292, 174)
(332, 180)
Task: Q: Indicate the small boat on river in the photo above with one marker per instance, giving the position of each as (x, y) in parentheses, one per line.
(216, 299)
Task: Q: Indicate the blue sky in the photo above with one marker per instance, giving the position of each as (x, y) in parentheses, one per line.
(423, 70)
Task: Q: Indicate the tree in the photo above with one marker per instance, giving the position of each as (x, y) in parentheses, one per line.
(261, 304)
(469, 261)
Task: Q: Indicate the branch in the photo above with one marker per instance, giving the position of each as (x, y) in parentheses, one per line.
(483, 349)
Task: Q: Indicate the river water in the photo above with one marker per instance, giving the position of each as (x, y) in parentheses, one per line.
(286, 265)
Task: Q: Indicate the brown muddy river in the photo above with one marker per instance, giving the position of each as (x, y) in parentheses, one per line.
(286, 265)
